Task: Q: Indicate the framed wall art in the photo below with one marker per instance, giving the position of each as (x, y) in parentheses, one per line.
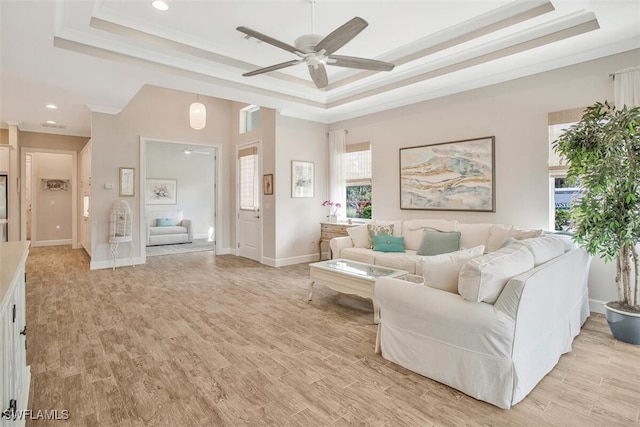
(127, 182)
(302, 179)
(452, 176)
(267, 184)
(161, 191)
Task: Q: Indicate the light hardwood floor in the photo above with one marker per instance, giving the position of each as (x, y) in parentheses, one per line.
(200, 339)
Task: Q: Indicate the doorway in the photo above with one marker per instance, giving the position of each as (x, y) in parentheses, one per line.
(249, 221)
(191, 171)
(49, 197)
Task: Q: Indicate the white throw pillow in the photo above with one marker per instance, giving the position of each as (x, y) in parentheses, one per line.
(441, 271)
(359, 236)
(482, 279)
(543, 248)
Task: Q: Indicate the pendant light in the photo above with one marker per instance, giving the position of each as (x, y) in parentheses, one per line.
(197, 115)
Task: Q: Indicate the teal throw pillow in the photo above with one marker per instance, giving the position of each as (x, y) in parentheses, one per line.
(388, 244)
(439, 242)
(165, 222)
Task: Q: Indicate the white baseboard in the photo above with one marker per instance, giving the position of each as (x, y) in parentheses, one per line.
(225, 251)
(51, 242)
(201, 236)
(292, 261)
(596, 306)
(120, 262)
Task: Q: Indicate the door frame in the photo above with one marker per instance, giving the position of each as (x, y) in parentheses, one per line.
(257, 143)
(23, 195)
(216, 190)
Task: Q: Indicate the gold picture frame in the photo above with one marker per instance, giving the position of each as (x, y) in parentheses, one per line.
(127, 187)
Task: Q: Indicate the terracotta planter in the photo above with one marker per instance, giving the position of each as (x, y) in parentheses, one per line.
(625, 326)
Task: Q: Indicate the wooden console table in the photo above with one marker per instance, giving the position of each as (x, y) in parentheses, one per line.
(329, 230)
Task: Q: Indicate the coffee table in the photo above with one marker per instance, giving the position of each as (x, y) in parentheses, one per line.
(351, 277)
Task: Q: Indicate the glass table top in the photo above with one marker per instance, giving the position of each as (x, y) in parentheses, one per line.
(358, 268)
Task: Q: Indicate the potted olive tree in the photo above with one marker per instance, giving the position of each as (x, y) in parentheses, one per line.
(603, 151)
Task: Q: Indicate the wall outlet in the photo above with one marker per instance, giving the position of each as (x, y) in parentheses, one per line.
(108, 186)
(58, 227)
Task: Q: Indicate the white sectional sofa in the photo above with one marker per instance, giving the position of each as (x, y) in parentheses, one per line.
(356, 246)
(167, 227)
(490, 323)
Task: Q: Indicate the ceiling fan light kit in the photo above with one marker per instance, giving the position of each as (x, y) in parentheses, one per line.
(316, 51)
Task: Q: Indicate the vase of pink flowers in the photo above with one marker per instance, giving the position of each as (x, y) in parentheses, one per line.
(333, 211)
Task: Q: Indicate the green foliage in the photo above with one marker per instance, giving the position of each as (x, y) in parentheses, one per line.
(562, 218)
(603, 151)
(359, 201)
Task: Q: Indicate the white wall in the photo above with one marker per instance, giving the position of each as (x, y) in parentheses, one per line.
(52, 212)
(157, 114)
(298, 219)
(516, 113)
(195, 176)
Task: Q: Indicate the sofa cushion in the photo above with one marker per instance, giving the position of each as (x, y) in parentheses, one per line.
(176, 229)
(406, 261)
(482, 279)
(522, 233)
(359, 236)
(358, 254)
(388, 244)
(472, 235)
(543, 248)
(412, 230)
(165, 222)
(441, 271)
(378, 230)
(499, 234)
(439, 242)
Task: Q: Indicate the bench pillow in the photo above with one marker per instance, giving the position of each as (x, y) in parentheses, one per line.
(165, 222)
(388, 244)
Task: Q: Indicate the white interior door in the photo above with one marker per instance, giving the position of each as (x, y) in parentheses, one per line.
(249, 224)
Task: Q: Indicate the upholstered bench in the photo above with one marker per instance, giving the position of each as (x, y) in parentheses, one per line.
(168, 227)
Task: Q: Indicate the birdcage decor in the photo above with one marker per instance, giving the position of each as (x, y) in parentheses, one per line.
(121, 222)
(120, 229)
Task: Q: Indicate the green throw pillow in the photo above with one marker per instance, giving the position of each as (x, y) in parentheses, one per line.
(439, 242)
(165, 222)
(388, 244)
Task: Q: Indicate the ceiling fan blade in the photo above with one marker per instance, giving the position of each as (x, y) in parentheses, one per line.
(341, 35)
(273, 67)
(319, 75)
(360, 63)
(265, 38)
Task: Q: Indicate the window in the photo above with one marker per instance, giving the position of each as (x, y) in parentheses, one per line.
(249, 118)
(248, 192)
(357, 174)
(563, 191)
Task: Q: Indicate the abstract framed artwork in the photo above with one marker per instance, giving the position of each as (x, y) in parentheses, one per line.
(161, 191)
(267, 184)
(127, 182)
(302, 179)
(451, 176)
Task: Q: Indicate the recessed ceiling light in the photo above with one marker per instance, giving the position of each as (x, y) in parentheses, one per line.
(51, 122)
(160, 5)
(51, 106)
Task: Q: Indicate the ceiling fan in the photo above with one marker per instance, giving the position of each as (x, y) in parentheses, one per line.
(316, 51)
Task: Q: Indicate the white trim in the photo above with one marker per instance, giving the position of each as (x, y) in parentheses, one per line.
(120, 262)
(282, 262)
(74, 193)
(217, 156)
(51, 243)
(597, 306)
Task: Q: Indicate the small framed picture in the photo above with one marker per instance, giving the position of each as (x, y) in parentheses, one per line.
(127, 182)
(267, 184)
(302, 179)
(161, 191)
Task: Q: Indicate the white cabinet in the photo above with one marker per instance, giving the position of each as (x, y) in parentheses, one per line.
(15, 375)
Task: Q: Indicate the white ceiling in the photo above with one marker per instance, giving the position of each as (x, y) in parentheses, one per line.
(96, 54)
